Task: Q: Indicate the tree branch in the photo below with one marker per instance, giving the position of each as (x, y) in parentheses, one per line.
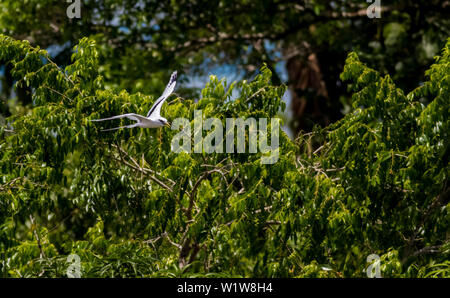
(34, 227)
(138, 168)
(427, 250)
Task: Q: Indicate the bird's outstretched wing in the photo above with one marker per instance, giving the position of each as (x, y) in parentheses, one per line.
(155, 111)
(132, 116)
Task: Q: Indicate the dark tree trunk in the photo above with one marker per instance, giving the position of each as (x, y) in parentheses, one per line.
(309, 92)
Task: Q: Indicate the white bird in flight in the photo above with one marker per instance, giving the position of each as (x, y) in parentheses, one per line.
(153, 119)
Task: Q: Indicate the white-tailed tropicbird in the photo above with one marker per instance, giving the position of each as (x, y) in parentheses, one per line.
(153, 119)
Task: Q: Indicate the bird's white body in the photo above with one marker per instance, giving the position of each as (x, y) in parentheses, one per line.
(153, 119)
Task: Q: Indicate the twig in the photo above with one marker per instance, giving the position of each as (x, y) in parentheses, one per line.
(256, 93)
(318, 149)
(138, 168)
(171, 242)
(163, 235)
(272, 222)
(42, 254)
(10, 183)
(335, 169)
(59, 68)
(260, 210)
(428, 250)
(59, 93)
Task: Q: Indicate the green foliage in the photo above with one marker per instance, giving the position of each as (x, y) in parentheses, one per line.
(129, 206)
(141, 41)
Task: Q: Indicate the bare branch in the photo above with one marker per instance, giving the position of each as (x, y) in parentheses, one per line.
(10, 183)
(138, 168)
(57, 92)
(428, 250)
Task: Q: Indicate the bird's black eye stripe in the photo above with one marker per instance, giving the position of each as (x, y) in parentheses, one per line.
(162, 122)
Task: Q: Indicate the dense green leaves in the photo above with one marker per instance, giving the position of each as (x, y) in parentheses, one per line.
(304, 43)
(130, 206)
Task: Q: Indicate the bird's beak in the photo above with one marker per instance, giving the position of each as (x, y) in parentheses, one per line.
(168, 124)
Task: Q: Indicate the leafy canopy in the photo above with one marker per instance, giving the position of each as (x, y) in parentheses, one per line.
(129, 206)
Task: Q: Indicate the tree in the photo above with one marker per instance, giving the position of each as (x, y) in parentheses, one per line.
(141, 39)
(128, 205)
